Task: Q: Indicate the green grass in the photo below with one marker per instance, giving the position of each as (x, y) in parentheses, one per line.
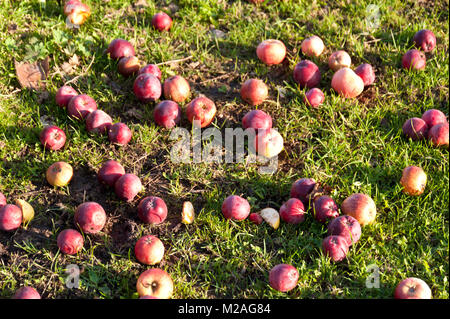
(347, 145)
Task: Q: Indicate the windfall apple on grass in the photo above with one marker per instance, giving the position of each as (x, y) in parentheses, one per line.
(293, 211)
(27, 210)
(81, 106)
(347, 83)
(235, 207)
(307, 74)
(151, 69)
(414, 60)
(314, 97)
(312, 46)
(176, 88)
(257, 120)
(10, 217)
(128, 66)
(119, 133)
(149, 250)
(152, 210)
(59, 174)
(254, 91)
(415, 128)
(361, 207)
(425, 40)
(271, 51)
(412, 288)
(64, 95)
(283, 277)
(52, 137)
(119, 48)
(110, 172)
(335, 247)
(147, 88)
(127, 187)
(325, 209)
(70, 241)
(439, 135)
(201, 109)
(98, 122)
(413, 180)
(161, 21)
(90, 217)
(347, 227)
(167, 114)
(26, 292)
(155, 282)
(339, 59)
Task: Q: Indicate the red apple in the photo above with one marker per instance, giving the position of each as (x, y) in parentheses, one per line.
(271, 51)
(412, 288)
(147, 87)
(268, 143)
(366, 73)
(293, 211)
(415, 128)
(335, 247)
(2, 200)
(414, 60)
(152, 210)
(119, 133)
(314, 97)
(347, 227)
(307, 74)
(347, 83)
(339, 59)
(438, 135)
(255, 218)
(302, 189)
(176, 88)
(414, 180)
(425, 40)
(325, 208)
(283, 277)
(120, 48)
(433, 117)
(257, 119)
(254, 91)
(52, 137)
(167, 114)
(98, 122)
(155, 282)
(110, 172)
(361, 207)
(70, 241)
(10, 217)
(161, 21)
(90, 217)
(235, 207)
(127, 187)
(149, 250)
(152, 69)
(128, 65)
(81, 106)
(64, 94)
(313, 46)
(201, 109)
(26, 293)
(69, 5)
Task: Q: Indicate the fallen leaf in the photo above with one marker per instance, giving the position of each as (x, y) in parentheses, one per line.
(32, 75)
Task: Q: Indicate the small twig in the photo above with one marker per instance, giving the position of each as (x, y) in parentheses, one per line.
(82, 74)
(11, 94)
(216, 78)
(176, 61)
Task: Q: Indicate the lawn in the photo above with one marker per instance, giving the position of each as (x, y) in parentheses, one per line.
(348, 145)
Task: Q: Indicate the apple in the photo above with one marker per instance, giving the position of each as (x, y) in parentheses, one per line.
(293, 211)
(155, 282)
(147, 87)
(347, 83)
(64, 94)
(70, 241)
(68, 6)
(271, 217)
(167, 114)
(201, 109)
(98, 122)
(110, 172)
(119, 133)
(257, 119)
(415, 128)
(161, 21)
(127, 187)
(313, 46)
(52, 137)
(10, 217)
(76, 11)
(152, 210)
(303, 189)
(27, 210)
(268, 143)
(433, 117)
(347, 227)
(425, 40)
(149, 250)
(438, 135)
(255, 218)
(314, 97)
(152, 69)
(2, 200)
(119, 48)
(59, 174)
(361, 207)
(283, 277)
(90, 217)
(335, 247)
(307, 74)
(254, 91)
(412, 288)
(271, 51)
(176, 88)
(325, 208)
(414, 60)
(339, 59)
(366, 73)
(81, 106)
(235, 207)
(128, 65)
(26, 292)
(414, 180)
(187, 213)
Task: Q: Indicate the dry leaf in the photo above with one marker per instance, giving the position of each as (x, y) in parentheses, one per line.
(32, 75)
(67, 68)
(75, 61)
(141, 3)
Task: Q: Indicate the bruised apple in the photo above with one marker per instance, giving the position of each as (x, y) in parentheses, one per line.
(271, 51)
(201, 109)
(347, 83)
(147, 87)
(307, 74)
(325, 208)
(152, 210)
(433, 117)
(98, 122)
(361, 207)
(70, 241)
(283, 277)
(254, 91)
(425, 40)
(414, 180)
(235, 207)
(155, 282)
(302, 189)
(59, 174)
(149, 250)
(76, 11)
(90, 217)
(128, 65)
(176, 88)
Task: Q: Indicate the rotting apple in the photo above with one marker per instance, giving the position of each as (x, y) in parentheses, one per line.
(27, 210)
(361, 207)
(235, 207)
(149, 250)
(26, 292)
(119, 48)
(90, 217)
(412, 288)
(59, 174)
(413, 180)
(271, 51)
(415, 128)
(110, 172)
(254, 91)
(335, 247)
(268, 143)
(151, 69)
(347, 227)
(128, 65)
(176, 88)
(302, 189)
(81, 106)
(98, 122)
(161, 21)
(188, 213)
(119, 133)
(167, 114)
(433, 117)
(339, 59)
(366, 73)
(347, 83)
(325, 209)
(10, 217)
(201, 109)
(307, 74)
(270, 216)
(64, 94)
(152, 210)
(293, 211)
(438, 135)
(314, 97)
(127, 187)
(414, 60)
(258, 120)
(70, 241)
(283, 277)
(147, 87)
(52, 137)
(155, 282)
(312, 46)
(76, 11)
(425, 40)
